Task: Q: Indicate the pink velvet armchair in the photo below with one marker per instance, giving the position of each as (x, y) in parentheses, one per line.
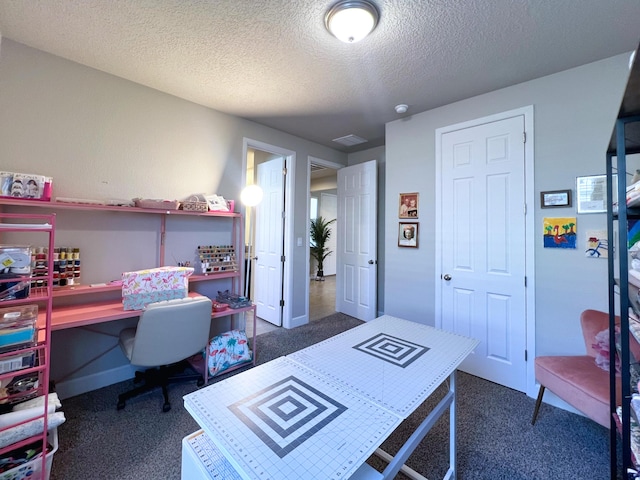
(577, 379)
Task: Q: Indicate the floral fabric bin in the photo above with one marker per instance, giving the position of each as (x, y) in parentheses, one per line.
(227, 350)
(143, 287)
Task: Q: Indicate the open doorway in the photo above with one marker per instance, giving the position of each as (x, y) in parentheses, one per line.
(322, 201)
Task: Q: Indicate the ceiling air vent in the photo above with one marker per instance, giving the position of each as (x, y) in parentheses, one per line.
(350, 140)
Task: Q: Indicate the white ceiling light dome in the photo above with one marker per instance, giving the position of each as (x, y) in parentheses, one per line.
(351, 20)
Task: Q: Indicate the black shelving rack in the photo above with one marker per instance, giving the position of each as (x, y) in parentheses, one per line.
(625, 141)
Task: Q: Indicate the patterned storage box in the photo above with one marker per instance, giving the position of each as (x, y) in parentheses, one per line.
(227, 350)
(154, 285)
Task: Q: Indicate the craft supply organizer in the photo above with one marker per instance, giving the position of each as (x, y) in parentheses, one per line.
(217, 259)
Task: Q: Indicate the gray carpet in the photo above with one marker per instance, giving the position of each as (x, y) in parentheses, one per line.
(495, 437)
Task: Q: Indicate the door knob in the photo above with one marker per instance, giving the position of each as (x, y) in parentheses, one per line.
(255, 258)
(370, 262)
(447, 277)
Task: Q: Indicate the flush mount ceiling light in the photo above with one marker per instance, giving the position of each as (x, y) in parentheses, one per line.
(351, 20)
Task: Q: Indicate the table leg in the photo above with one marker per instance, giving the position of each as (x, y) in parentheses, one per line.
(396, 463)
(451, 473)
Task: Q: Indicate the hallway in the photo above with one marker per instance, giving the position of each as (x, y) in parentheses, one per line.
(322, 302)
(322, 297)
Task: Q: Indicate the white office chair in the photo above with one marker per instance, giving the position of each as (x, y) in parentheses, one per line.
(168, 332)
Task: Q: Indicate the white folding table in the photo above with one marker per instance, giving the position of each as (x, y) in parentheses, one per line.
(323, 411)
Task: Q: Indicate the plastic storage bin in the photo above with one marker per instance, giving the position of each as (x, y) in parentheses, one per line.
(17, 327)
(31, 469)
(25, 186)
(15, 272)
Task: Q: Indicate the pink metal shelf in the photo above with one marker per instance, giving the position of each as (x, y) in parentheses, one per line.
(110, 208)
(72, 290)
(161, 213)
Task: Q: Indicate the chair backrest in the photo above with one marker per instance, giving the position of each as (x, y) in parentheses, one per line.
(171, 331)
(595, 321)
(592, 322)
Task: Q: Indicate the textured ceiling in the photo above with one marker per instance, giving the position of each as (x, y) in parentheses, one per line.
(273, 62)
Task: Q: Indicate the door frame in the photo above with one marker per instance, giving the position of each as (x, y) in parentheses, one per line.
(529, 209)
(289, 186)
(336, 167)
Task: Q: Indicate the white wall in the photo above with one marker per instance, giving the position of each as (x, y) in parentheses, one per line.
(103, 137)
(100, 136)
(574, 115)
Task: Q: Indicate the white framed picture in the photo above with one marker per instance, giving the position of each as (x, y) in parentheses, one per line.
(591, 193)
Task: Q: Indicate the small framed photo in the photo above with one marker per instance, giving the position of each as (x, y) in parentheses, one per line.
(555, 198)
(408, 205)
(408, 234)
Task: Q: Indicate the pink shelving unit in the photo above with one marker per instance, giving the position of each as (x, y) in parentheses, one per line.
(86, 309)
(44, 224)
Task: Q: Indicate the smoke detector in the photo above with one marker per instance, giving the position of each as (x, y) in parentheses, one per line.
(402, 108)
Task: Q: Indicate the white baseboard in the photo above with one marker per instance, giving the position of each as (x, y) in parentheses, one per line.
(298, 321)
(80, 385)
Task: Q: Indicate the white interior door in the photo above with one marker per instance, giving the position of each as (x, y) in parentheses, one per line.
(269, 241)
(482, 240)
(329, 210)
(357, 267)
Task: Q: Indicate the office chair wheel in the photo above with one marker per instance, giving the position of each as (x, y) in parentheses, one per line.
(166, 407)
(120, 405)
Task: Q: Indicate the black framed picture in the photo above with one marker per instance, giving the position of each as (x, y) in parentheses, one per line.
(555, 198)
(407, 234)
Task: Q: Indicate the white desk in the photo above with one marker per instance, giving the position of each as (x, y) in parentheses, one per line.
(323, 411)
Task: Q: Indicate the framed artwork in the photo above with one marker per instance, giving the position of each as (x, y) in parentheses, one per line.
(591, 193)
(560, 232)
(407, 234)
(555, 198)
(408, 207)
(597, 244)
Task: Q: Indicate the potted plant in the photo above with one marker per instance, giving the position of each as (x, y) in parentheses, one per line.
(320, 233)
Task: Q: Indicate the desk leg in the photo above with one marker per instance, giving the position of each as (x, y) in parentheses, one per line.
(253, 345)
(396, 464)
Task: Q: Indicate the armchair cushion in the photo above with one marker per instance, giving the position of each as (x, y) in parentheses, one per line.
(579, 382)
